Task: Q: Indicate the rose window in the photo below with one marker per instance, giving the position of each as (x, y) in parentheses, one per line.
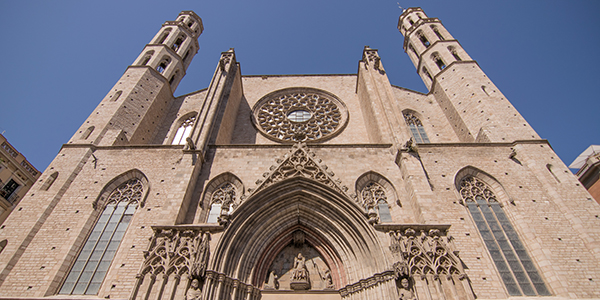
(299, 115)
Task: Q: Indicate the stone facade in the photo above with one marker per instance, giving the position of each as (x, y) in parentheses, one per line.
(306, 187)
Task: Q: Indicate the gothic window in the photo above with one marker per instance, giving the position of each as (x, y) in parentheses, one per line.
(427, 73)
(373, 196)
(187, 54)
(49, 181)
(438, 61)
(423, 39)
(454, 53)
(147, 57)
(410, 46)
(173, 77)
(437, 32)
(87, 133)
(190, 23)
(184, 131)
(3, 245)
(164, 36)
(416, 127)
(116, 96)
(411, 21)
(549, 167)
(178, 42)
(516, 268)
(163, 65)
(221, 202)
(91, 265)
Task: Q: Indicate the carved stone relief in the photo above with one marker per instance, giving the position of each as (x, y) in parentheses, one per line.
(300, 161)
(299, 268)
(176, 257)
(427, 258)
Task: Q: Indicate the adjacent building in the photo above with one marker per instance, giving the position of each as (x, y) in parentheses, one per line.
(17, 176)
(588, 163)
(304, 187)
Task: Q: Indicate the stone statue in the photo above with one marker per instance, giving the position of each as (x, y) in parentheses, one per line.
(194, 292)
(404, 291)
(300, 272)
(328, 280)
(300, 279)
(272, 282)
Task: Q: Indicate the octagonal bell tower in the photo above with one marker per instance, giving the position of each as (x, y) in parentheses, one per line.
(477, 110)
(131, 112)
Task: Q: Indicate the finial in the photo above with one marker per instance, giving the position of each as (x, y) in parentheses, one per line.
(400, 7)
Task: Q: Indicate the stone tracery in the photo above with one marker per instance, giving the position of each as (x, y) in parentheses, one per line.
(299, 114)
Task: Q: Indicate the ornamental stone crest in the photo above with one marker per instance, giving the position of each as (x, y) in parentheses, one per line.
(299, 115)
(300, 161)
(427, 252)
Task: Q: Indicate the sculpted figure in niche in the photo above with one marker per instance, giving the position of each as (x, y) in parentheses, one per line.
(194, 292)
(405, 291)
(328, 280)
(300, 272)
(300, 279)
(272, 282)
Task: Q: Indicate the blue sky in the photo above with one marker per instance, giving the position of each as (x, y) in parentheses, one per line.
(60, 58)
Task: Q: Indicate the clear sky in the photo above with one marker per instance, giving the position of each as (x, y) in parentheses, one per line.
(60, 58)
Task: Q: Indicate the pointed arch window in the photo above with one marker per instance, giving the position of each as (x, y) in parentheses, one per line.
(163, 65)
(147, 57)
(222, 200)
(88, 272)
(49, 181)
(454, 53)
(164, 36)
(438, 61)
(184, 131)
(178, 42)
(516, 268)
(416, 127)
(423, 39)
(427, 73)
(374, 197)
(437, 32)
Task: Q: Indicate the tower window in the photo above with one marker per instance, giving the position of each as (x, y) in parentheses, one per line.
(95, 257)
(147, 58)
(164, 36)
(178, 43)
(516, 268)
(454, 53)
(184, 131)
(163, 65)
(437, 32)
(187, 54)
(410, 21)
(190, 23)
(423, 39)
(410, 46)
(438, 61)
(427, 73)
(416, 127)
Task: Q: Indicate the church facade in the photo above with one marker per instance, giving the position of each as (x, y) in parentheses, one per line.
(304, 187)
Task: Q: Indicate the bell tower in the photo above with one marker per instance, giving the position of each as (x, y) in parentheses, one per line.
(131, 112)
(477, 110)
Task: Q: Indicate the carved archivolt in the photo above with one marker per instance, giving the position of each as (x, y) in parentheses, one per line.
(300, 162)
(299, 115)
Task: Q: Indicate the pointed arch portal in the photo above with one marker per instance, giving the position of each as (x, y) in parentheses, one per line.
(329, 221)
